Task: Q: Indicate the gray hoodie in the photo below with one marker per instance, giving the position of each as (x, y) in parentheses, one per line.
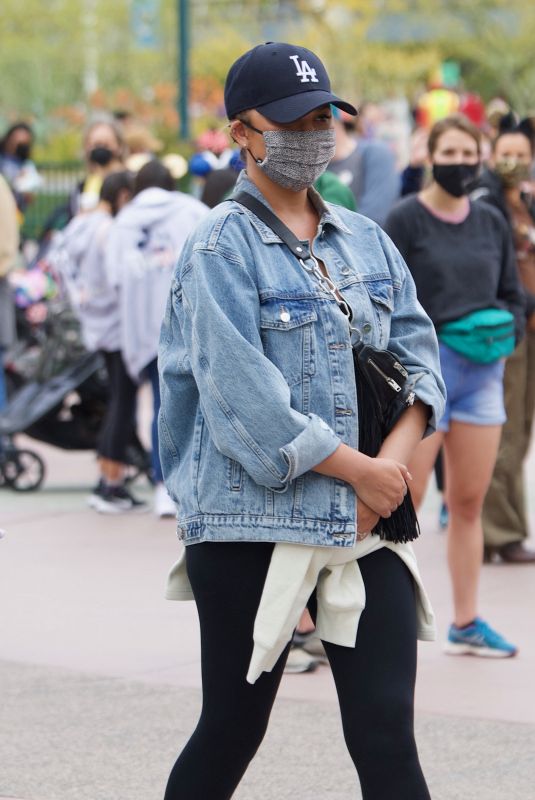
(79, 253)
(143, 245)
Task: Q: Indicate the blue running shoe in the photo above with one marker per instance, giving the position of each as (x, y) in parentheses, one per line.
(478, 639)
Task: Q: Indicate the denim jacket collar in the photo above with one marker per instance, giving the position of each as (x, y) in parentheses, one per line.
(326, 214)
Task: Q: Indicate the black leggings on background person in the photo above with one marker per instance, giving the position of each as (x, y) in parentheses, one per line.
(375, 680)
(118, 427)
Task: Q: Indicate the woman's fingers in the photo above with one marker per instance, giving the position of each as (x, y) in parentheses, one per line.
(405, 472)
(384, 486)
(367, 519)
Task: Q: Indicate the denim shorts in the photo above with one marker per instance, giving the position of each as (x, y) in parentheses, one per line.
(475, 391)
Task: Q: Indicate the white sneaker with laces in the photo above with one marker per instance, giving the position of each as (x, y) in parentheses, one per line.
(162, 503)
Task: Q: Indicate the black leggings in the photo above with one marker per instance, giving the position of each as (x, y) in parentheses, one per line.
(374, 680)
(119, 425)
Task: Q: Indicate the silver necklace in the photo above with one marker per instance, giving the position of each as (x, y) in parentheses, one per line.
(328, 285)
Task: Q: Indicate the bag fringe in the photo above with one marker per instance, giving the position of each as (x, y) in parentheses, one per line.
(402, 525)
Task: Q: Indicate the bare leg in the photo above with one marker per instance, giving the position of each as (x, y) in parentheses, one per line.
(421, 465)
(111, 471)
(305, 622)
(470, 454)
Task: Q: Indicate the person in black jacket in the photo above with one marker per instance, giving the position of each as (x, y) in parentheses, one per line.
(505, 522)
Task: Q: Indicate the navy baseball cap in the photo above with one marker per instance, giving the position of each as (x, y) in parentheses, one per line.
(281, 81)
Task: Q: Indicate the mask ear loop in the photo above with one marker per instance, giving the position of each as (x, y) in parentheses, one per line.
(256, 130)
(256, 160)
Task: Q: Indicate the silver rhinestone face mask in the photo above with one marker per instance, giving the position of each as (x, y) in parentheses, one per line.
(295, 159)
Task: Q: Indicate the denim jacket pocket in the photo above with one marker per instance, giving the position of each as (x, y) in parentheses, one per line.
(288, 336)
(165, 436)
(381, 292)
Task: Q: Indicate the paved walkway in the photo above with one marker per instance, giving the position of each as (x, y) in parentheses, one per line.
(99, 677)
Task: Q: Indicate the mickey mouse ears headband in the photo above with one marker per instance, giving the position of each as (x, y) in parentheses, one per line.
(510, 123)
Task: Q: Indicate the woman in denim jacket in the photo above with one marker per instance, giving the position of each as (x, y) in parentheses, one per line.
(259, 430)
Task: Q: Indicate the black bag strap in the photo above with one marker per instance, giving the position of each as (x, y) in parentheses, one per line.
(297, 248)
(272, 221)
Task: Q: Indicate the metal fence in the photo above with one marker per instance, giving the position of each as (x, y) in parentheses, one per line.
(59, 181)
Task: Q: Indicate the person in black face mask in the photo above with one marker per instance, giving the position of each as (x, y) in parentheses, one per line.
(16, 165)
(103, 152)
(462, 259)
(17, 143)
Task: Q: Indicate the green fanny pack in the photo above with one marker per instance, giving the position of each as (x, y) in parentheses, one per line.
(482, 336)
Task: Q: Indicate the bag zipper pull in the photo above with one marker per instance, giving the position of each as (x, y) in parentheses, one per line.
(391, 382)
(401, 368)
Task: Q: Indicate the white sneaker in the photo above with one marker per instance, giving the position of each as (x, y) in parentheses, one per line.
(299, 661)
(162, 504)
(114, 500)
(311, 644)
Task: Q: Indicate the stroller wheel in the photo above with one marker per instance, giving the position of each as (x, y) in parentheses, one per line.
(23, 470)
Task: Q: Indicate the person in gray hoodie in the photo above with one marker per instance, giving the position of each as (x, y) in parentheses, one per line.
(142, 248)
(78, 253)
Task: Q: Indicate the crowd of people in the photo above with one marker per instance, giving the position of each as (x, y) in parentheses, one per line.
(361, 176)
(243, 318)
(121, 233)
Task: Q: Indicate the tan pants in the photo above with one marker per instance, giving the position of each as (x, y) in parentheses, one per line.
(504, 511)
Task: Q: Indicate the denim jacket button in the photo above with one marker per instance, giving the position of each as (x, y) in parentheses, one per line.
(345, 271)
(366, 328)
(284, 315)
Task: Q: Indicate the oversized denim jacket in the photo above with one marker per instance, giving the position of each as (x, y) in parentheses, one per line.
(257, 377)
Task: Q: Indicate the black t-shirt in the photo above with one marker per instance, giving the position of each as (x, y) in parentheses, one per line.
(458, 267)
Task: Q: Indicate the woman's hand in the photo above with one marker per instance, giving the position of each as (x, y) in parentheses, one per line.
(366, 518)
(382, 485)
(381, 482)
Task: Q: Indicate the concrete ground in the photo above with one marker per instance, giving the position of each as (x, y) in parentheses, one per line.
(99, 675)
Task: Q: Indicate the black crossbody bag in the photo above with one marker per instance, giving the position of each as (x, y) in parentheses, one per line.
(384, 391)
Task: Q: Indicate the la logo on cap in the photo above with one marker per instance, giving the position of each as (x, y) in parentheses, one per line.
(304, 70)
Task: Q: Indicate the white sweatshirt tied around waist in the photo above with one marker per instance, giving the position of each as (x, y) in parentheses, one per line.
(294, 572)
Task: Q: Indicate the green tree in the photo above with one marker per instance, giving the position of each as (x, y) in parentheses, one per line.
(52, 52)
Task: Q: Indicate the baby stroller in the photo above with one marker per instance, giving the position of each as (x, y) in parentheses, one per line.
(61, 400)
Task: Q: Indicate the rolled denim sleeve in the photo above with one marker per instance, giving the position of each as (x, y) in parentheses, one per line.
(413, 338)
(244, 398)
